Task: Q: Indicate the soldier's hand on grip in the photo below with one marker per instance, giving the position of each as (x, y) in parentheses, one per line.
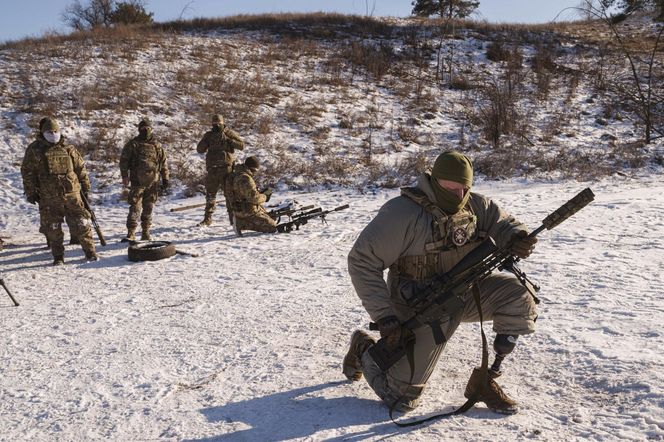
(522, 245)
(125, 182)
(390, 329)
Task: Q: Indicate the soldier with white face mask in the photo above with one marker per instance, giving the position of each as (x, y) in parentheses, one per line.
(54, 176)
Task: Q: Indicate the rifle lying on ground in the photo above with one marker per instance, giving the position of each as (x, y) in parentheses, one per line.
(303, 218)
(290, 212)
(2, 283)
(93, 218)
(444, 294)
(192, 206)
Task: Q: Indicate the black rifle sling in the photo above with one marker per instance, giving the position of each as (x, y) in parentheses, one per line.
(474, 398)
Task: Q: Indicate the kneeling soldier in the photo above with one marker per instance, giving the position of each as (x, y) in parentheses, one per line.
(247, 201)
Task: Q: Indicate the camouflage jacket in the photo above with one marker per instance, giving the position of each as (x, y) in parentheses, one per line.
(245, 197)
(415, 245)
(53, 170)
(143, 162)
(220, 146)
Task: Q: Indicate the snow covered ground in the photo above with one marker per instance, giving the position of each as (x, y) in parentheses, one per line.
(245, 342)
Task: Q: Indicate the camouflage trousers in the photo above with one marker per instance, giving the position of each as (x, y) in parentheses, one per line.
(214, 182)
(70, 207)
(258, 221)
(503, 299)
(141, 204)
(42, 221)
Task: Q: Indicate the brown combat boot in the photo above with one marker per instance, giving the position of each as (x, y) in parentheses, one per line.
(58, 260)
(131, 236)
(360, 342)
(492, 395)
(145, 235)
(207, 220)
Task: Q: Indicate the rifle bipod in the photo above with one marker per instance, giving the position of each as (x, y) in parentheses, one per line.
(2, 283)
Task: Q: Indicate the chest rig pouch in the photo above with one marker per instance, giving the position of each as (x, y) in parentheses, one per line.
(147, 164)
(58, 161)
(449, 232)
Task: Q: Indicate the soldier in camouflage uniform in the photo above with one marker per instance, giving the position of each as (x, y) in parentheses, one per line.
(420, 234)
(219, 143)
(54, 176)
(246, 201)
(143, 167)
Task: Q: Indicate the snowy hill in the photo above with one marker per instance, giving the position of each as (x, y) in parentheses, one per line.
(245, 342)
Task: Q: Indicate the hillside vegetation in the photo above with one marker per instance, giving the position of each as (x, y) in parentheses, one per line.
(329, 99)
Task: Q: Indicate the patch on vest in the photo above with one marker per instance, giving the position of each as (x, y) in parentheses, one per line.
(459, 236)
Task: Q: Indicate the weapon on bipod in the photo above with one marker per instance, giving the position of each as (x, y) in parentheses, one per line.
(93, 218)
(444, 294)
(2, 283)
(192, 206)
(303, 218)
(290, 212)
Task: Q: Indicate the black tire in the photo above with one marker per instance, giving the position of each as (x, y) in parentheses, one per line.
(150, 251)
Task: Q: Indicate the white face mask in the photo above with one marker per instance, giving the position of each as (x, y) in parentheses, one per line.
(52, 137)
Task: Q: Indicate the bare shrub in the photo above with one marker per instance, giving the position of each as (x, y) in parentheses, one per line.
(497, 51)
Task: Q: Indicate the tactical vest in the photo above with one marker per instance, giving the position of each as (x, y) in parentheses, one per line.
(145, 167)
(58, 160)
(220, 149)
(450, 232)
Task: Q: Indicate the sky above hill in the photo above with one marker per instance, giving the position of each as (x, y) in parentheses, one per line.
(30, 18)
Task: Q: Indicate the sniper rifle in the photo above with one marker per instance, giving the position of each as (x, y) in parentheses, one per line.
(303, 218)
(4, 286)
(93, 218)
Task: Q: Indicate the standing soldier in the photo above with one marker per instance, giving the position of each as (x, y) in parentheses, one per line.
(143, 165)
(54, 176)
(220, 144)
(418, 235)
(247, 201)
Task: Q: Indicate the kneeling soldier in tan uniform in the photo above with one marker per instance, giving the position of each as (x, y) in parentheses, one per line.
(246, 201)
(53, 177)
(420, 234)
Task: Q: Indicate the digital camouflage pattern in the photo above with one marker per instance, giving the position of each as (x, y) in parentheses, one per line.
(247, 202)
(219, 145)
(414, 244)
(54, 175)
(143, 162)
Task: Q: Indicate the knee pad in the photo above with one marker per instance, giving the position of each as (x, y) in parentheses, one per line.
(504, 344)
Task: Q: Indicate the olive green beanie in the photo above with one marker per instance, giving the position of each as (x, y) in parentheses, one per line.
(48, 124)
(453, 166)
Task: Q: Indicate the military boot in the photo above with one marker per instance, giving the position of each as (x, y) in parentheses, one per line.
(360, 342)
(58, 260)
(236, 228)
(491, 394)
(131, 236)
(207, 220)
(91, 256)
(145, 235)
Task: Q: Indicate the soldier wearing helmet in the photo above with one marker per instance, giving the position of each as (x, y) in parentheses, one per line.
(219, 144)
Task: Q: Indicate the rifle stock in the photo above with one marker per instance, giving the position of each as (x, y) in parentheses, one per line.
(444, 294)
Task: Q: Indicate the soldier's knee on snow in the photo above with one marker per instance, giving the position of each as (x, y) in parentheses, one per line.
(504, 344)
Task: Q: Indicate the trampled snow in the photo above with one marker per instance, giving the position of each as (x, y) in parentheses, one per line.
(245, 342)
